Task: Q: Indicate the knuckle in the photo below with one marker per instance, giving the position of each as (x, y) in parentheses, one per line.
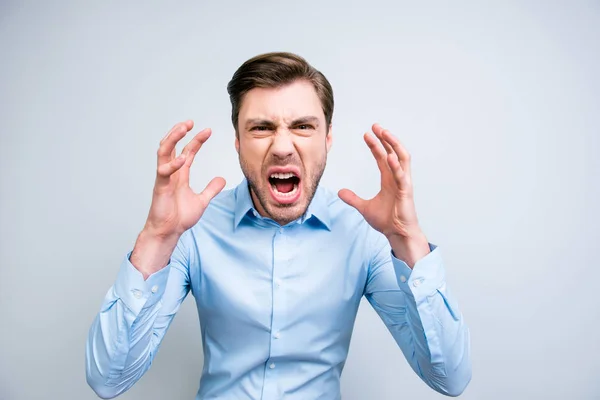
(165, 169)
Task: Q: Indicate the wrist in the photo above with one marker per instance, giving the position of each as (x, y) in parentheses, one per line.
(409, 248)
(152, 252)
(158, 235)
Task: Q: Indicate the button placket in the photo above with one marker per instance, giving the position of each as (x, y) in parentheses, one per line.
(279, 267)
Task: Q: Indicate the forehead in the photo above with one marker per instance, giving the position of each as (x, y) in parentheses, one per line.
(288, 102)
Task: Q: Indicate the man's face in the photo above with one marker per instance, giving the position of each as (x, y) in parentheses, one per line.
(283, 143)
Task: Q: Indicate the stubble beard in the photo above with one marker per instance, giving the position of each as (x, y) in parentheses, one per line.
(283, 213)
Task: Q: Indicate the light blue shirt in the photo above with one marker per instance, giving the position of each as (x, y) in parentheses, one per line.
(277, 305)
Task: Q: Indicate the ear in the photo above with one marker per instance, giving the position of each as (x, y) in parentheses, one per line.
(329, 138)
(237, 144)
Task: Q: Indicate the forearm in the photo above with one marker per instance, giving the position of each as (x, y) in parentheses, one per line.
(439, 338)
(416, 306)
(117, 354)
(440, 346)
(122, 340)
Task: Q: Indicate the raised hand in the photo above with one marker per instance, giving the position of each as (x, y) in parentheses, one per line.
(175, 206)
(392, 211)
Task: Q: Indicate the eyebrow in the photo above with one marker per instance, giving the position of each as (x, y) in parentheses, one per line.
(297, 121)
(306, 120)
(258, 121)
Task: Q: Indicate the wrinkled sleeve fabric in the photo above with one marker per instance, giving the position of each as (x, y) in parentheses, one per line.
(421, 314)
(133, 319)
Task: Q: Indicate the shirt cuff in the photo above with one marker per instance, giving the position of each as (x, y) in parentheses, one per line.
(137, 293)
(425, 278)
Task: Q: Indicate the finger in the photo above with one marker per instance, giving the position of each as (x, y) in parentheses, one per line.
(397, 171)
(378, 131)
(210, 191)
(192, 148)
(164, 171)
(398, 159)
(190, 151)
(166, 151)
(350, 198)
(378, 152)
(189, 124)
(399, 149)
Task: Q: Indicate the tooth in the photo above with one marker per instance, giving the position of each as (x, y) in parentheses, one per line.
(282, 175)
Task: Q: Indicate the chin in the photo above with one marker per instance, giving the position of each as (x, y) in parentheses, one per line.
(286, 213)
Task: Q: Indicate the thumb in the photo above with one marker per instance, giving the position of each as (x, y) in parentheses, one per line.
(211, 190)
(350, 198)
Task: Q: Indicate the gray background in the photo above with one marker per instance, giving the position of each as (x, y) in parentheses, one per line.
(498, 105)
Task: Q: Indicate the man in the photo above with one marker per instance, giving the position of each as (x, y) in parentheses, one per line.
(278, 265)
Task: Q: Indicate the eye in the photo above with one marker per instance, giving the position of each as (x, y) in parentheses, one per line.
(305, 126)
(260, 128)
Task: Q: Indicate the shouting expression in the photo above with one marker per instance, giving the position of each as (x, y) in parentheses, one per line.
(282, 143)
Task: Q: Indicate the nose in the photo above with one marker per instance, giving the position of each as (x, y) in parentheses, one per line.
(283, 144)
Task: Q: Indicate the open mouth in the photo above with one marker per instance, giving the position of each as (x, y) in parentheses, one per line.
(285, 186)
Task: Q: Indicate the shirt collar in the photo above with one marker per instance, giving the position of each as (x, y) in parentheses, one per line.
(317, 207)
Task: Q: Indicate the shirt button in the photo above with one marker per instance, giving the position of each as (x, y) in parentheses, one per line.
(278, 282)
(137, 294)
(402, 279)
(417, 283)
(280, 230)
(255, 213)
(276, 335)
(154, 289)
(272, 365)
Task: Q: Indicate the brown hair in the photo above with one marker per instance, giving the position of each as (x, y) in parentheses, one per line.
(272, 70)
